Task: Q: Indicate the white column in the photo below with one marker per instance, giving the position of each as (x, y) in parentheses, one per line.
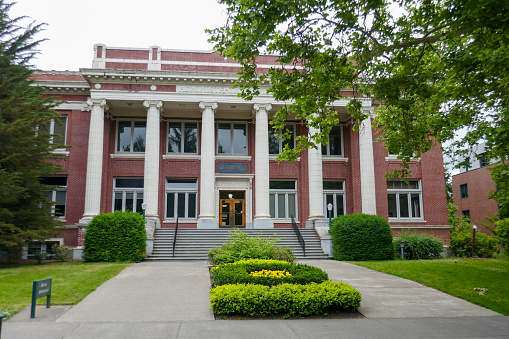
(367, 167)
(207, 218)
(262, 208)
(94, 159)
(151, 174)
(315, 173)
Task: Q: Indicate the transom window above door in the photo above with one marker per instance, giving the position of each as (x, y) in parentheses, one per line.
(131, 136)
(182, 137)
(232, 138)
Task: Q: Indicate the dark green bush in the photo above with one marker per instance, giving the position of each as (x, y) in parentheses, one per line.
(118, 236)
(485, 246)
(243, 246)
(238, 273)
(361, 237)
(286, 299)
(502, 232)
(419, 246)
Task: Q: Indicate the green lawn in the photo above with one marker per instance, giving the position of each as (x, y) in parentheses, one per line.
(458, 277)
(71, 283)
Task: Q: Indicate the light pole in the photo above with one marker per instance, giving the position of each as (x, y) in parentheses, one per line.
(143, 207)
(474, 228)
(329, 208)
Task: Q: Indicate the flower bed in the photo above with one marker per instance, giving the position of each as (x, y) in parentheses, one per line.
(240, 273)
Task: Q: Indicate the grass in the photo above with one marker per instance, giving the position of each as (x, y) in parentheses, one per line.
(71, 283)
(457, 277)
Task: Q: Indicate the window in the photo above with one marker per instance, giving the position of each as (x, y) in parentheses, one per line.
(128, 194)
(335, 145)
(181, 198)
(131, 136)
(57, 195)
(283, 199)
(404, 199)
(466, 213)
(46, 248)
(182, 137)
(57, 128)
(483, 160)
(464, 191)
(232, 138)
(334, 193)
(277, 145)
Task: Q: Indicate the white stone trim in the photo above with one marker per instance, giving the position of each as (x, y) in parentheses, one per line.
(332, 158)
(127, 155)
(367, 167)
(182, 156)
(315, 179)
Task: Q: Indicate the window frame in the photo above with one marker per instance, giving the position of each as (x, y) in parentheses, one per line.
(327, 145)
(288, 125)
(58, 188)
(335, 193)
(176, 191)
(117, 145)
(286, 192)
(408, 192)
(126, 190)
(182, 144)
(51, 131)
(232, 137)
(463, 191)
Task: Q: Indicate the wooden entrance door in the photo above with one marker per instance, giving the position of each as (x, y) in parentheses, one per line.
(232, 209)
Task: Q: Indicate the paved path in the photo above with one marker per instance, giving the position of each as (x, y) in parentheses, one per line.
(170, 300)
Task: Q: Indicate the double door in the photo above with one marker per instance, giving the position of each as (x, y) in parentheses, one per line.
(232, 209)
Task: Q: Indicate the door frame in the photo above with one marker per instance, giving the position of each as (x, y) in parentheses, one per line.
(231, 202)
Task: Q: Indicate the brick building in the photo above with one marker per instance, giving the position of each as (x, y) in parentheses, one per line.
(167, 128)
(471, 189)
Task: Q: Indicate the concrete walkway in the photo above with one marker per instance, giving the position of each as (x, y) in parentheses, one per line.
(170, 300)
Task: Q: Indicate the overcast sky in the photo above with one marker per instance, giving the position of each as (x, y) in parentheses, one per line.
(73, 27)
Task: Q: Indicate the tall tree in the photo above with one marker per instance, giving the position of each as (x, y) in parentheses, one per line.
(437, 67)
(24, 153)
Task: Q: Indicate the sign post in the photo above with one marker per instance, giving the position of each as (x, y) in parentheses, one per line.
(41, 288)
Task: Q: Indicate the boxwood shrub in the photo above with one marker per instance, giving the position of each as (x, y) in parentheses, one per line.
(285, 299)
(361, 237)
(118, 236)
(238, 273)
(419, 246)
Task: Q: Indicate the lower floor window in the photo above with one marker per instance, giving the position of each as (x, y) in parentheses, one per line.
(57, 195)
(404, 199)
(334, 193)
(283, 199)
(128, 194)
(41, 249)
(181, 198)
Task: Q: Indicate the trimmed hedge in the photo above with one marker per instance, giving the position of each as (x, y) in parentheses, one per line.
(286, 299)
(419, 246)
(361, 237)
(118, 236)
(238, 273)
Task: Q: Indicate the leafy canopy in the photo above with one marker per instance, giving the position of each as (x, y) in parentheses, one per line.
(23, 153)
(435, 66)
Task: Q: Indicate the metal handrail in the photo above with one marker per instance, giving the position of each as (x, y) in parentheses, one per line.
(175, 236)
(299, 236)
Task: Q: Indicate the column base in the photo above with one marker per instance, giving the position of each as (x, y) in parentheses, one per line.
(263, 223)
(207, 223)
(85, 220)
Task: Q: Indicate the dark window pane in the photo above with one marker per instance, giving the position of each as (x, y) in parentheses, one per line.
(333, 185)
(181, 184)
(129, 201)
(340, 205)
(290, 142)
(191, 209)
(170, 205)
(292, 212)
(239, 139)
(59, 132)
(54, 181)
(273, 142)
(282, 185)
(190, 137)
(272, 203)
(124, 136)
(403, 206)
(281, 206)
(118, 202)
(174, 137)
(130, 183)
(393, 212)
(416, 206)
(139, 201)
(335, 141)
(139, 133)
(223, 139)
(181, 205)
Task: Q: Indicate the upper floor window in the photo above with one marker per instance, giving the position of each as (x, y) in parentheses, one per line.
(182, 137)
(181, 198)
(466, 213)
(334, 193)
(283, 199)
(131, 136)
(232, 138)
(58, 195)
(276, 145)
(128, 194)
(483, 160)
(335, 145)
(464, 191)
(404, 199)
(57, 128)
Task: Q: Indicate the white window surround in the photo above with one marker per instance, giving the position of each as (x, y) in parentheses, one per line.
(277, 195)
(187, 189)
(132, 136)
(128, 198)
(43, 246)
(327, 149)
(231, 144)
(56, 128)
(58, 195)
(292, 127)
(405, 200)
(336, 194)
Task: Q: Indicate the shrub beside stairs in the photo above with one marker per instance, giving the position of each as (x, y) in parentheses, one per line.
(193, 244)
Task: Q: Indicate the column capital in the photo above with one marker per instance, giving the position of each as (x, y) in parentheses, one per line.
(259, 107)
(153, 103)
(212, 105)
(94, 102)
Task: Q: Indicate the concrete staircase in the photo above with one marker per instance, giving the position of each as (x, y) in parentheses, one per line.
(193, 244)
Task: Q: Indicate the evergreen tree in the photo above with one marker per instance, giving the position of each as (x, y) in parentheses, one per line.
(25, 156)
